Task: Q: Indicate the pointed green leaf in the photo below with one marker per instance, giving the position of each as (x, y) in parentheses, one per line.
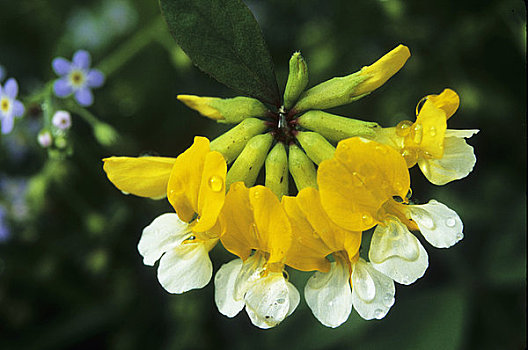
(224, 40)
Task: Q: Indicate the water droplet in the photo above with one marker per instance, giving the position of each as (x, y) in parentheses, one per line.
(418, 133)
(378, 313)
(420, 105)
(451, 222)
(405, 280)
(403, 128)
(216, 184)
(459, 236)
(432, 131)
(410, 156)
(367, 219)
(281, 301)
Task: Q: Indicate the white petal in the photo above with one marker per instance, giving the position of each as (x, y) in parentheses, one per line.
(225, 289)
(268, 300)
(329, 295)
(185, 267)
(165, 232)
(376, 302)
(461, 133)
(395, 252)
(439, 225)
(456, 163)
(249, 274)
(295, 298)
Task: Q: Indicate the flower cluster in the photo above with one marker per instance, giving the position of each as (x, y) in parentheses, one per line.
(342, 192)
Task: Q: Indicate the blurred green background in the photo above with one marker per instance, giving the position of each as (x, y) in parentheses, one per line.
(70, 273)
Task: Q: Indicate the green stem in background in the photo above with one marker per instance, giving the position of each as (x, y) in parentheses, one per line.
(131, 47)
(104, 133)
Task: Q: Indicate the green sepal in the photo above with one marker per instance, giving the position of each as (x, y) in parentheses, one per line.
(248, 164)
(233, 142)
(301, 168)
(317, 148)
(336, 128)
(297, 80)
(277, 170)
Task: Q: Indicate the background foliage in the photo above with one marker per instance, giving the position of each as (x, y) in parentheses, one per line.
(70, 274)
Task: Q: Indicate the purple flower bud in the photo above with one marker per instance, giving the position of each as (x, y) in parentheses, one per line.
(62, 120)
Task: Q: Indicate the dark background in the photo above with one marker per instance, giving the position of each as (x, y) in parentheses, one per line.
(70, 273)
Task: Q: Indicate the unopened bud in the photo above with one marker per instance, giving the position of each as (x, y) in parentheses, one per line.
(233, 142)
(343, 90)
(315, 146)
(225, 110)
(301, 168)
(277, 171)
(105, 134)
(248, 164)
(297, 80)
(336, 128)
(45, 139)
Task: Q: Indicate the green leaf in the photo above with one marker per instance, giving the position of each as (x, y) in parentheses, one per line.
(224, 40)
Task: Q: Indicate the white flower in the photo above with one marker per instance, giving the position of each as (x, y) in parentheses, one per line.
(184, 263)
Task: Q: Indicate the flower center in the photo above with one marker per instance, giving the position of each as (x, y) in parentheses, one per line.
(77, 78)
(4, 105)
(283, 126)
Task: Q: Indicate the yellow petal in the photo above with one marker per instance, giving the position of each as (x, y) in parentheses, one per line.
(141, 176)
(307, 252)
(448, 101)
(186, 177)
(383, 69)
(202, 105)
(273, 227)
(236, 218)
(355, 183)
(428, 132)
(334, 236)
(212, 191)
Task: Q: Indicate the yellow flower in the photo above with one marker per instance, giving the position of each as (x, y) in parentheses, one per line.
(348, 280)
(358, 188)
(442, 154)
(253, 221)
(196, 189)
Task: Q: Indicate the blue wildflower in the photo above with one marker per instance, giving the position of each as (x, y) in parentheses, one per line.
(4, 230)
(76, 77)
(10, 107)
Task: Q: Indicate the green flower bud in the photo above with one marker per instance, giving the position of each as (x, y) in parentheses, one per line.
(105, 134)
(297, 80)
(315, 146)
(61, 142)
(301, 168)
(336, 128)
(277, 171)
(343, 90)
(247, 166)
(232, 142)
(225, 110)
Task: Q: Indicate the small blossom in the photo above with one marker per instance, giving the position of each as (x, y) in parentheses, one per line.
(195, 187)
(10, 107)
(45, 139)
(62, 120)
(77, 78)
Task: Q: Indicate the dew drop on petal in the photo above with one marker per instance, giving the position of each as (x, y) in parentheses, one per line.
(378, 313)
(216, 184)
(459, 236)
(451, 222)
(403, 128)
(405, 279)
(281, 301)
(432, 131)
(367, 219)
(418, 133)
(388, 299)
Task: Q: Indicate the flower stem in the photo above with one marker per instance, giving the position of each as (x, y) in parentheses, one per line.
(131, 47)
